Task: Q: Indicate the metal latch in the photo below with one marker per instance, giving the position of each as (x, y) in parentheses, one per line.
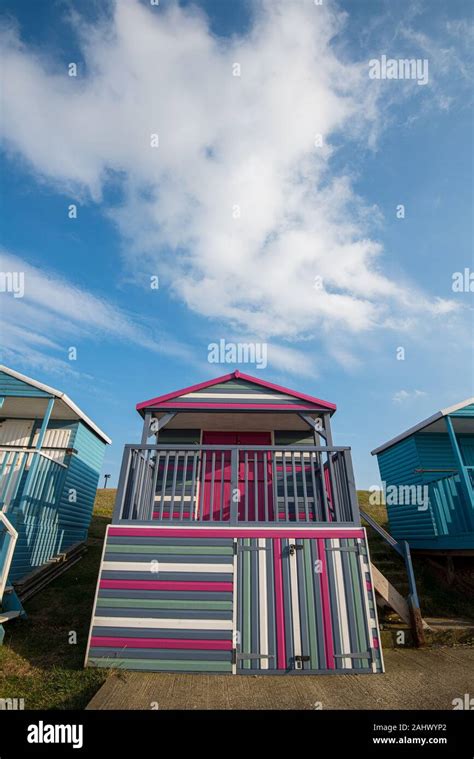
(294, 547)
(299, 661)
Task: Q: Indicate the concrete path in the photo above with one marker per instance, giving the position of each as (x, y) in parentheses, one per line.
(414, 679)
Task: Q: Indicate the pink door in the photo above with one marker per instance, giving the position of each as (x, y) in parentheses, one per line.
(254, 482)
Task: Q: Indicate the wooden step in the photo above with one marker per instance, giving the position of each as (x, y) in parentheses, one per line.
(390, 595)
(5, 616)
(36, 580)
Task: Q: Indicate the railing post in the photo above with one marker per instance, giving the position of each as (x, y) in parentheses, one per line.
(351, 485)
(122, 486)
(234, 487)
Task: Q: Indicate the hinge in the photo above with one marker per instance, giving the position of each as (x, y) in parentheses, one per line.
(241, 656)
(240, 548)
(358, 655)
(294, 547)
(347, 549)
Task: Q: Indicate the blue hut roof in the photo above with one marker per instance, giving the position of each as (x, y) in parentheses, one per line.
(463, 409)
(45, 391)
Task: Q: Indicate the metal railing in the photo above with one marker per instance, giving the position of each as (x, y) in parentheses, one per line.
(403, 549)
(451, 508)
(236, 484)
(30, 477)
(8, 538)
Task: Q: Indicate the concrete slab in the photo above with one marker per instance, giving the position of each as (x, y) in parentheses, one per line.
(414, 679)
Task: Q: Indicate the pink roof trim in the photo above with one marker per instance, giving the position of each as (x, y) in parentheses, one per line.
(162, 399)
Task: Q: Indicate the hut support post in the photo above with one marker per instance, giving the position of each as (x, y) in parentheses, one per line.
(44, 424)
(413, 602)
(463, 473)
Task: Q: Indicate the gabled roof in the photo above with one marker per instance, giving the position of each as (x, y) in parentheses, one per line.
(451, 410)
(276, 398)
(51, 391)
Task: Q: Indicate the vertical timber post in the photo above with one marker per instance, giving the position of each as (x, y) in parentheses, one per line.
(413, 602)
(234, 488)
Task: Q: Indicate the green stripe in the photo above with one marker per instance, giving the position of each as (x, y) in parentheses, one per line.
(359, 608)
(204, 550)
(247, 604)
(312, 621)
(144, 603)
(161, 664)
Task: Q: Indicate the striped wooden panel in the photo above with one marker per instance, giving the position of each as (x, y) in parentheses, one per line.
(239, 392)
(164, 604)
(183, 599)
(315, 601)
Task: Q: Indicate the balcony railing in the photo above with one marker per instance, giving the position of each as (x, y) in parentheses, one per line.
(30, 477)
(236, 485)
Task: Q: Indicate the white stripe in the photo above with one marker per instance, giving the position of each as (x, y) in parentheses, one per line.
(155, 567)
(262, 600)
(176, 498)
(341, 604)
(167, 624)
(371, 615)
(253, 396)
(295, 606)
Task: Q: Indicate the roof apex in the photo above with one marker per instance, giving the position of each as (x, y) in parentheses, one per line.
(236, 374)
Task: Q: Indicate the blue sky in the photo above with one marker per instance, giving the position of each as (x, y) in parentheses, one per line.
(246, 141)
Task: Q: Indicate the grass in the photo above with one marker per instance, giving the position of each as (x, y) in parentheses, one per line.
(39, 663)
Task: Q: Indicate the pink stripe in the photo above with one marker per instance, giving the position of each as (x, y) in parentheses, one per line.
(369, 585)
(326, 604)
(271, 406)
(233, 532)
(375, 642)
(165, 585)
(197, 645)
(279, 610)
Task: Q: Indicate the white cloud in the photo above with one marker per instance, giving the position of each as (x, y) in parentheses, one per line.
(54, 315)
(401, 396)
(225, 141)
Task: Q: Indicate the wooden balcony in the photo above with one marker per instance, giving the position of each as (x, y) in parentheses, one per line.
(237, 485)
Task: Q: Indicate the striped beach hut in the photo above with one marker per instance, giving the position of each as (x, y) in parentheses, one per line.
(236, 544)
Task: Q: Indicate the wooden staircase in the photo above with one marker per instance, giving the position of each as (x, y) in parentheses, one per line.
(394, 579)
